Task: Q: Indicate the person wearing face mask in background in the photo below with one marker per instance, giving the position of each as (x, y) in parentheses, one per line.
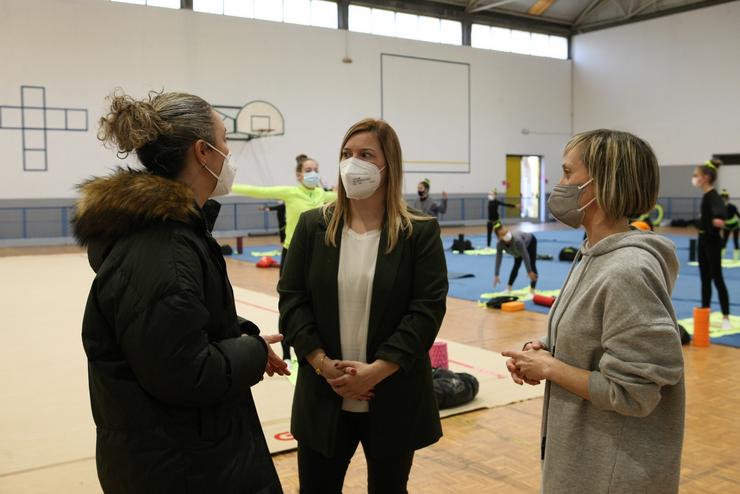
(493, 217)
(613, 411)
(425, 204)
(711, 224)
(521, 245)
(732, 226)
(307, 195)
(170, 364)
(362, 298)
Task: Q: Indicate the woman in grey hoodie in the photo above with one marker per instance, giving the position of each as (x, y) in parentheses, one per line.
(613, 414)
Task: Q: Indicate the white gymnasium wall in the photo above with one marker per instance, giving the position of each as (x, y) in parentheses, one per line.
(80, 50)
(674, 81)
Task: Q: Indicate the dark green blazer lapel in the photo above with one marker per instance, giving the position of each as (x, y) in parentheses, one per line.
(386, 268)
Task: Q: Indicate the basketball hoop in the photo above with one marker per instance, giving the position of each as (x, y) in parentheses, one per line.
(254, 120)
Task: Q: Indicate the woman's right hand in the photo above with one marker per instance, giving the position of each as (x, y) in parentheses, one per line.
(329, 370)
(319, 360)
(516, 375)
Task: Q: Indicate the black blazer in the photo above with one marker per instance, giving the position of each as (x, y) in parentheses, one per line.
(408, 305)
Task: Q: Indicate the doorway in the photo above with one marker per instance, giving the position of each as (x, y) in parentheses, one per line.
(525, 183)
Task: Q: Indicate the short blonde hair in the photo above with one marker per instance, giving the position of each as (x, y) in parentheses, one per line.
(624, 169)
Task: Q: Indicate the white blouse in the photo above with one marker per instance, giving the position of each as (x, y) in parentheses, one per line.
(357, 256)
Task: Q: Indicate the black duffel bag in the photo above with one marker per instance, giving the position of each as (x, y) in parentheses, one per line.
(453, 389)
(496, 302)
(568, 254)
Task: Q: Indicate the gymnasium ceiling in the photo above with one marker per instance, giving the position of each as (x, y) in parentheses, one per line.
(556, 16)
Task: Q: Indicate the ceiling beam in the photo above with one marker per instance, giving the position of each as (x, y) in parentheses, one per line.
(620, 7)
(591, 7)
(540, 7)
(643, 8)
(492, 5)
(456, 12)
(470, 5)
(585, 28)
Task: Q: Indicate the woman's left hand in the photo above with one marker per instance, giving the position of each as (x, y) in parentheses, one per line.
(357, 382)
(535, 365)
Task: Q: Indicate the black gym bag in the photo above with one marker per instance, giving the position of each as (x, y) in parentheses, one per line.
(495, 302)
(568, 254)
(460, 244)
(453, 389)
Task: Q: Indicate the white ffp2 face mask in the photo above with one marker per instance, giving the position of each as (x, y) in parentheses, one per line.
(507, 238)
(360, 178)
(225, 179)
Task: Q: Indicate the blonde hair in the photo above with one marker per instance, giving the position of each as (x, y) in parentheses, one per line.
(624, 169)
(398, 218)
(160, 128)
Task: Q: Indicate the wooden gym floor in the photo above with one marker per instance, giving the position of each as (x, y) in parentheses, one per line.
(497, 450)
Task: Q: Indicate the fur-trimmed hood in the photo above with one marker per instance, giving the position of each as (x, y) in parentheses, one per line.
(127, 201)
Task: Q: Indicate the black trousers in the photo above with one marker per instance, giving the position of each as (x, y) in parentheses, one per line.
(489, 230)
(284, 344)
(321, 475)
(726, 237)
(710, 269)
(532, 251)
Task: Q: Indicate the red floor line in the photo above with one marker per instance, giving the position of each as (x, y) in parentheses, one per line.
(257, 306)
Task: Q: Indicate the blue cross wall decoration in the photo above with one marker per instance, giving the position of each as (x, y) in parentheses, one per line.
(34, 119)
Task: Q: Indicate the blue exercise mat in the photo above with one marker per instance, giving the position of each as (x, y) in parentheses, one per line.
(552, 274)
(730, 340)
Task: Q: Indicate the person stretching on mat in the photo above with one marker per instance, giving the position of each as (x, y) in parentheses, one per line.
(711, 223)
(731, 226)
(307, 195)
(493, 217)
(614, 403)
(362, 298)
(521, 245)
(425, 204)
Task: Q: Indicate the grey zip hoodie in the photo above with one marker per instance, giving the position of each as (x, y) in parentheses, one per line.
(614, 317)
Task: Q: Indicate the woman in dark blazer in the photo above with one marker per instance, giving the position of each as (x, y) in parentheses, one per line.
(362, 298)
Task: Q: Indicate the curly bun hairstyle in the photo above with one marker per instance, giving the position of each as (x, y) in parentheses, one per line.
(160, 128)
(299, 160)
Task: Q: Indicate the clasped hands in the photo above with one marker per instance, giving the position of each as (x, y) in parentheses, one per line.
(350, 379)
(531, 365)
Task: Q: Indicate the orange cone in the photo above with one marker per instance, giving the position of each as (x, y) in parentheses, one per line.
(701, 326)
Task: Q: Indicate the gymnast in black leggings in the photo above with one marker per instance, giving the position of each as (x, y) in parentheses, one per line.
(493, 217)
(713, 216)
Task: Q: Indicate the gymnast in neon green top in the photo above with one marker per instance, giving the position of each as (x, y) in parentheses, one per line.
(308, 194)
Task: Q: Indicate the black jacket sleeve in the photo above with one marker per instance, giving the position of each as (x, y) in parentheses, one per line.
(297, 320)
(418, 329)
(165, 342)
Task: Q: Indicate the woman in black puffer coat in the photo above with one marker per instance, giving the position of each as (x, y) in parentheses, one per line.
(170, 364)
